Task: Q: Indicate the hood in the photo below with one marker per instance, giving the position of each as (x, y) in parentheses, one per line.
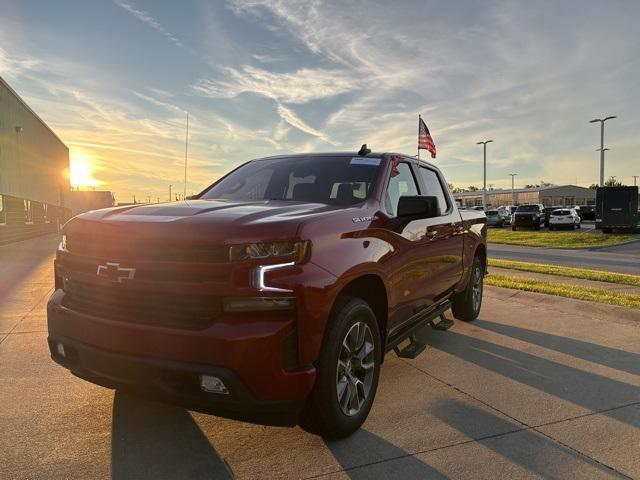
(206, 220)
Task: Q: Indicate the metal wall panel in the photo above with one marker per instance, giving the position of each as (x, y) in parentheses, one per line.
(34, 162)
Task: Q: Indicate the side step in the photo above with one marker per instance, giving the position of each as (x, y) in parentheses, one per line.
(412, 350)
(444, 323)
(416, 347)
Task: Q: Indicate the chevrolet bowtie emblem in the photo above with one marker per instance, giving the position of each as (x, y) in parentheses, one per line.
(115, 273)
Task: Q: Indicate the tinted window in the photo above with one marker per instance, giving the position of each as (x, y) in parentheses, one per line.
(528, 208)
(339, 180)
(434, 187)
(403, 184)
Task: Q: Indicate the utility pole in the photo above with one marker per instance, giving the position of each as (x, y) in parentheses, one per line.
(513, 191)
(186, 152)
(602, 149)
(635, 180)
(484, 183)
(170, 192)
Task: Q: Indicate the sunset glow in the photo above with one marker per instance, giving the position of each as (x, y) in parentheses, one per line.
(81, 170)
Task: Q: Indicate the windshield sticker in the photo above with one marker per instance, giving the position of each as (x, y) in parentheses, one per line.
(373, 162)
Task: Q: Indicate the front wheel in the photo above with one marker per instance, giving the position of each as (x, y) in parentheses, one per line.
(466, 304)
(513, 228)
(347, 372)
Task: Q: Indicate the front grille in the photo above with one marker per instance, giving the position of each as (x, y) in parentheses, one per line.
(144, 250)
(120, 303)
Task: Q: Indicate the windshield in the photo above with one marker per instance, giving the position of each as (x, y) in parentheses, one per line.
(332, 180)
(527, 208)
(492, 212)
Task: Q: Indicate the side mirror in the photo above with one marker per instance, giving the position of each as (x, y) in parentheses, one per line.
(191, 197)
(418, 207)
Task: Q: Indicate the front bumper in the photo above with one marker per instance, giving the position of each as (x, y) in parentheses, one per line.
(165, 363)
(527, 221)
(172, 382)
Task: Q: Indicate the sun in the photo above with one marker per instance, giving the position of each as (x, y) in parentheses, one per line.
(81, 168)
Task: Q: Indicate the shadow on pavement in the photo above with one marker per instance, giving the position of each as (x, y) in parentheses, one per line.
(365, 455)
(592, 391)
(610, 357)
(532, 451)
(151, 441)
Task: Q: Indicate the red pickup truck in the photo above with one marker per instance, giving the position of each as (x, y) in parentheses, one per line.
(273, 295)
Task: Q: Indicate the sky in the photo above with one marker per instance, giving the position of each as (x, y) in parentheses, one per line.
(114, 79)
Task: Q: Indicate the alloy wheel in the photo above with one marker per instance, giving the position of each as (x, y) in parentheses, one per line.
(476, 288)
(355, 371)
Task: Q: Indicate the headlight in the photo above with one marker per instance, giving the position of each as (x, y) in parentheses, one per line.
(295, 251)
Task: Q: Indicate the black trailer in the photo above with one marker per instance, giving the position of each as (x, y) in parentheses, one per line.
(617, 208)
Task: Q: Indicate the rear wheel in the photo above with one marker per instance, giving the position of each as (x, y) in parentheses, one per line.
(513, 228)
(347, 372)
(466, 304)
(551, 228)
(536, 226)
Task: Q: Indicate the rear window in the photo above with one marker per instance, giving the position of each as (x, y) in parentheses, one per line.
(492, 212)
(558, 213)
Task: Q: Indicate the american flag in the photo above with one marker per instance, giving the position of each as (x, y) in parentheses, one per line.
(425, 141)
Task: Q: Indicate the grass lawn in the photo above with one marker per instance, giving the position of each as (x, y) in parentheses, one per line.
(597, 275)
(566, 290)
(533, 238)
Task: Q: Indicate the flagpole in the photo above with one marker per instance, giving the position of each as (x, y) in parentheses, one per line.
(419, 118)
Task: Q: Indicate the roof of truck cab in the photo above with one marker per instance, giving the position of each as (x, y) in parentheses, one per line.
(347, 154)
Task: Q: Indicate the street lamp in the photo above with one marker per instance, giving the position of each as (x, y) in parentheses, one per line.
(602, 149)
(484, 184)
(513, 192)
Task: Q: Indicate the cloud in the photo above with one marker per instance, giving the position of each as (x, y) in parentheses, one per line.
(292, 119)
(301, 86)
(144, 17)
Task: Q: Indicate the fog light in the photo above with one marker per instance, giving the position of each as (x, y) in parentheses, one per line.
(60, 350)
(212, 384)
(255, 304)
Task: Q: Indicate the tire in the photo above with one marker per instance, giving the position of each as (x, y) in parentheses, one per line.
(536, 227)
(326, 413)
(551, 228)
(607, 230)
(466, 305)
(579, 226)
(513, 228)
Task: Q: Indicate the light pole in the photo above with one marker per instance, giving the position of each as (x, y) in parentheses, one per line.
(186, 152)
(635, 180)
(484, 183)
(602, 149)
(513, 191)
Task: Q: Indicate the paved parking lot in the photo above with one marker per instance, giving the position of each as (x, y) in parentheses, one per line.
(538, 387)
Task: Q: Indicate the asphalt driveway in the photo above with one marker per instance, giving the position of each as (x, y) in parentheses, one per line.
(538, 387)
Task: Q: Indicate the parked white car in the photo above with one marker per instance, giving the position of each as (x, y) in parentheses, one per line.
(564, 217)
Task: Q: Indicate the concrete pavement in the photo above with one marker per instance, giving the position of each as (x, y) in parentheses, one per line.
(538, 387)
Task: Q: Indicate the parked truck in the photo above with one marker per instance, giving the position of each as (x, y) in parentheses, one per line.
(273, 295)
(617, 208)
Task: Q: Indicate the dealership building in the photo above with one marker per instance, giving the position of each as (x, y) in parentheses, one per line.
(34, 164)
(561, 195)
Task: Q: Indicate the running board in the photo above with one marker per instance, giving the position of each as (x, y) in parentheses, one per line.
(416, 347)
